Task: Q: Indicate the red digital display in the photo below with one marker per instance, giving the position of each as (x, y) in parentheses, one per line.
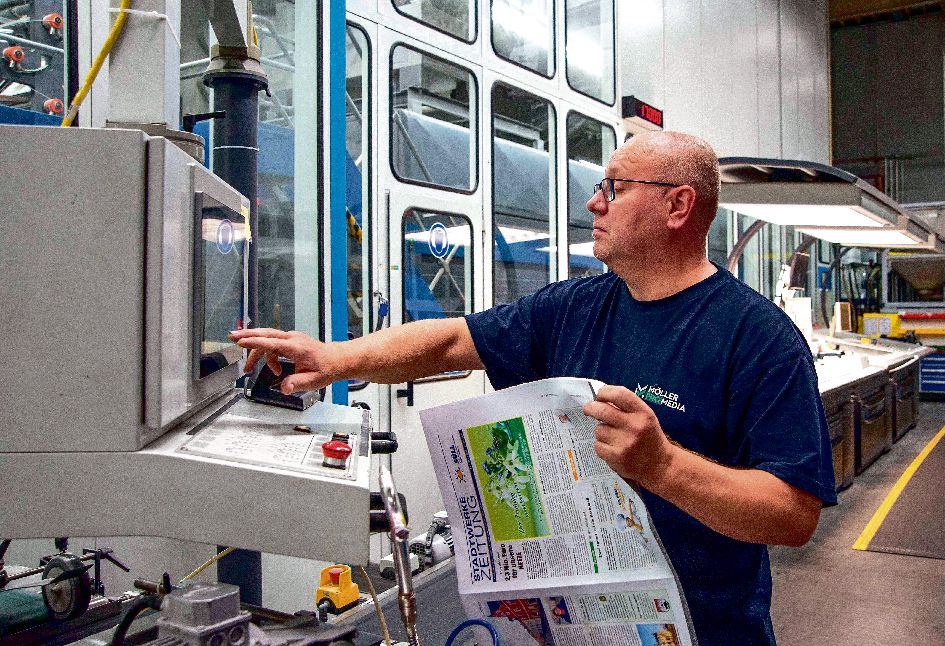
(634, 107)
(651, 114)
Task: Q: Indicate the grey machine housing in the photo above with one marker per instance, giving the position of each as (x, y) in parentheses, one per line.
(97, 296)
(104, 412)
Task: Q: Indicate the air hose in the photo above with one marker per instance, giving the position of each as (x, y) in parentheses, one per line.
(474, 622)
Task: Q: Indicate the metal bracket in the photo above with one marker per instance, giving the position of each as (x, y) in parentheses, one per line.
(406, 392)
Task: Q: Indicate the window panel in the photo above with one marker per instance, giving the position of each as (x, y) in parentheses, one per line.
(431, 121)
(523, 32)
(287, 235)
(749, 268)
(523, 181)
(718, 246)
(590, 145)
(454, 17)
(437, 265)
(358, 180)
(589, 48)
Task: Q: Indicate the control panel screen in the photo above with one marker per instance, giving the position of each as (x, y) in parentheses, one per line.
(219, 249)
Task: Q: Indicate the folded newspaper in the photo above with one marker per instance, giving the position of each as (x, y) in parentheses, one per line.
(552, 546)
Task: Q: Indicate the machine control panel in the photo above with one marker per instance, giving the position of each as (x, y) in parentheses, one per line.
(304, 441)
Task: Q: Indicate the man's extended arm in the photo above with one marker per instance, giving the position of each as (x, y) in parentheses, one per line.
(745, 504)
(390, 356)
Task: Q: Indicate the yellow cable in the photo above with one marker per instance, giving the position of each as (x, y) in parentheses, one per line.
(863, 542)
(377, 605)
(208, 564)
(97, 65)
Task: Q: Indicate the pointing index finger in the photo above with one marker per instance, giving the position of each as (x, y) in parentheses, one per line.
(263, 332)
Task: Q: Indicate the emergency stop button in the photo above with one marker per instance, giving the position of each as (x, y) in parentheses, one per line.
(336, 454)
(334, 574)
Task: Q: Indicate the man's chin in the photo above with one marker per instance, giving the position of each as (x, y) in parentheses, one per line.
(600, 251)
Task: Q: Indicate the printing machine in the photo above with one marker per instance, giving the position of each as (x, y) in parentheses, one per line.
(124, 268)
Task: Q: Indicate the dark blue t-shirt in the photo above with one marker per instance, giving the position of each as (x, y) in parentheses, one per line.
(728, 375)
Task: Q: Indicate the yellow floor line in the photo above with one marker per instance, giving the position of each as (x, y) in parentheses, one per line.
(872, 527)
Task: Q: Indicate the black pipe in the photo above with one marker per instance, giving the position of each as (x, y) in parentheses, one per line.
(235, 161)
(235, 156)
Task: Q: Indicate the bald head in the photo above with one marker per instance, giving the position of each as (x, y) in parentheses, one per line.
(680, 159)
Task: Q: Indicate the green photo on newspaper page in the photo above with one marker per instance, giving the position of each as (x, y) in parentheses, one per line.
(507, 480)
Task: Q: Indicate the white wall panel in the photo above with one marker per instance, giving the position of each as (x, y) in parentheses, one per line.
(808, 48)
(750, 76)
(684, 66)
(768, 77)
(821, 147)
(642, 66)
(789, 80)
(739, 83)
(719, 73)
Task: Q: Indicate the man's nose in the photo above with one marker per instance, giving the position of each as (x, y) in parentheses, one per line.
(597, 203)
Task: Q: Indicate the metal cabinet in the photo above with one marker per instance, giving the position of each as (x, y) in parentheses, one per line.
(904, 381)
(873, 419)
(839, 406)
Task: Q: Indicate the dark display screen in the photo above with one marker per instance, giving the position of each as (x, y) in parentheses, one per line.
(218, 284)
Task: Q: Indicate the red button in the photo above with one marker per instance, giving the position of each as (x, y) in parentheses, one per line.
(335, 574)
(336, 450)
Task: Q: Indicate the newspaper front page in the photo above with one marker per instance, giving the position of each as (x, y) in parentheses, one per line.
(552, 546)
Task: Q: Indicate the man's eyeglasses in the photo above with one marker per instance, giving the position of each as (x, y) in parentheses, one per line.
(607, 186)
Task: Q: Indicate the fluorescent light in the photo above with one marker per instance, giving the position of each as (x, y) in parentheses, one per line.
(811, 215)
(863, 237)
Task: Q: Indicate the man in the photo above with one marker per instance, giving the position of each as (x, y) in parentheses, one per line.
(714, 410)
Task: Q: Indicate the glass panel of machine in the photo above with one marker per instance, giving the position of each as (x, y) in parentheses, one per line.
(523, 32)
(590, 144)
(431, 121)
(287, 233)
(718, 238)
(749, 268)
(33, 69)
(523, 181)
(454, 17)
(437, 265)
(589, 48)
(219, 284)
(357, 176)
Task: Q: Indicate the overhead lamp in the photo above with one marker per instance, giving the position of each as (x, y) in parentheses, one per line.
(862, 237)
(909, 234)
(825, 204)
(820, 201)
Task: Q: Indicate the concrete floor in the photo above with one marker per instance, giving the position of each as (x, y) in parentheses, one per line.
(828, 593)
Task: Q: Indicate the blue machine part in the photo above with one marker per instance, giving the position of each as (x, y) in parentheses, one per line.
(21, 117)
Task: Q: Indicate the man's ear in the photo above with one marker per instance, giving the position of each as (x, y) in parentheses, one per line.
(682, 204)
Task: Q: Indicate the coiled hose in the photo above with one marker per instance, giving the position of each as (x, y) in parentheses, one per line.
(474, 622)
